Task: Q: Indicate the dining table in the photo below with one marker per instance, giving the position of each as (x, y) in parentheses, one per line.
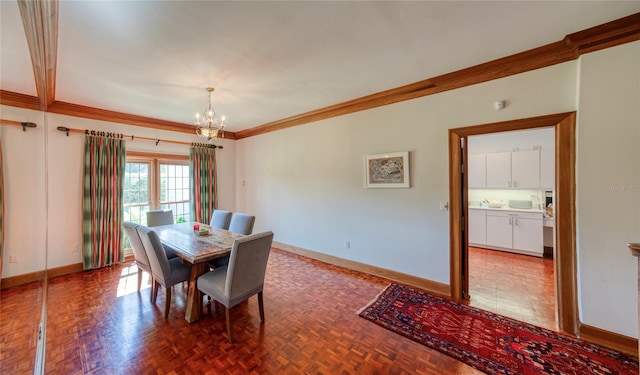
(197, 249)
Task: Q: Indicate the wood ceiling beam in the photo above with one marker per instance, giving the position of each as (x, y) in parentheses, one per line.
(40, 20)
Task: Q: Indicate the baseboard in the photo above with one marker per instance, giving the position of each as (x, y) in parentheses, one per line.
(429, 285)
(25, 278)
(65, 270)
(40, 275)
(609, 339)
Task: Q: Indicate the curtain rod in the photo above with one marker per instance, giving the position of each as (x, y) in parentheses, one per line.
(94, 132)
(132, 137)
(24, 125)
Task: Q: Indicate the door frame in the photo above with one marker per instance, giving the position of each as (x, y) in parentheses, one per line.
(565, 261)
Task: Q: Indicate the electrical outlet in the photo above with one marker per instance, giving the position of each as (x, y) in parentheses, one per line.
(347, 244)
(74, 248)
(13, 259)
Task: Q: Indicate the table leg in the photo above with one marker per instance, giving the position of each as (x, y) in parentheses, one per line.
(193, 302)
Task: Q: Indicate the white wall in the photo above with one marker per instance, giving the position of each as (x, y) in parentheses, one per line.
(307, 183)
(27, 233)
(608, 187)
(24, 197)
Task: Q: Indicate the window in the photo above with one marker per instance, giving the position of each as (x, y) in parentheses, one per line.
(156, 182)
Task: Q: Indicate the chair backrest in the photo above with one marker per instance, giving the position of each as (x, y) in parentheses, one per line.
(160, 267)
(159, 217)
(221, 219)
(241, 223)
(130, 229)
(247, 265)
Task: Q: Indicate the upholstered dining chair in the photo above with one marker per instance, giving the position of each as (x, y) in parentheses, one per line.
(139, 254)
(220, 219)
(241, 223)
(166, 272)
(242, 278)
(161, 217)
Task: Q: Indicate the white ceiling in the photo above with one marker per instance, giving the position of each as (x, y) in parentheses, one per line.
(269, 60)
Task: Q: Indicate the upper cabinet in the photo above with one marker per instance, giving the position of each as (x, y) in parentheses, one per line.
(505, 170)
(499, 170)
(525, 169)
(548, 169)
(477, 171)
(522, 159)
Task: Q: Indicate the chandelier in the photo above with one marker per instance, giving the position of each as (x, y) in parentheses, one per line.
(207, 124)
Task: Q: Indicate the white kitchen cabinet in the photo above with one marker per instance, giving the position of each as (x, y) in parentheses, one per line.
(518, 169)
(499, 230)
(528, 234)
(499, 170)
(477, 227)
(477, 171)
(517, 231)
(525, 169)
(547, 169)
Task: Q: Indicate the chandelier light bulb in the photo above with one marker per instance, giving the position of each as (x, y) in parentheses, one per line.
(208, 126)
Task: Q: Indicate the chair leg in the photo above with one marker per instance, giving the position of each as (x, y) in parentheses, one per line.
(228, 317)
(153, 287)
(139, 278)
(154, 291)
(200, 296)
(261, 306)
(167, 304)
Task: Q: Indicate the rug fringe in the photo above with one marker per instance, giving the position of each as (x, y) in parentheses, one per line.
(360, 310)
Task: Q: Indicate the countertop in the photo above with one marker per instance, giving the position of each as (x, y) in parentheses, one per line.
(507, 208)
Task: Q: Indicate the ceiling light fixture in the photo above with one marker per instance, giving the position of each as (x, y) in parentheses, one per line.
(207, 124)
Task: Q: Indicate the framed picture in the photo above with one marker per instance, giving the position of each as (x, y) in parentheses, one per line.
(389, 170)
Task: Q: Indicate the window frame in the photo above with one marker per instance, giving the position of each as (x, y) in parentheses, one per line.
(154, 160)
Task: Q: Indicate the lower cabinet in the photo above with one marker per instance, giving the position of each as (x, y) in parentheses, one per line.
(477, 226)
(518, 231)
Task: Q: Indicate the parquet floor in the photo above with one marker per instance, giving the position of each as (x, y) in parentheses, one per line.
(98, 324)
(519, 286)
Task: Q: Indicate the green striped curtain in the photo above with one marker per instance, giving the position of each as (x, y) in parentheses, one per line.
(104, 162)
(1, 208)
(202, 163)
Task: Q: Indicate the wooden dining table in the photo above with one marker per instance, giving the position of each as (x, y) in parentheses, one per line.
(197, 250)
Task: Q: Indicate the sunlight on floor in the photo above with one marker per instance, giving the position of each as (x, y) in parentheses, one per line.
(129, 281)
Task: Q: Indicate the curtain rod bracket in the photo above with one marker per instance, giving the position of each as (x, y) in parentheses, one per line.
(63, 129)
(26, 125)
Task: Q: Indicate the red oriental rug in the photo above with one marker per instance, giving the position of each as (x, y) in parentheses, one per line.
(490, 342)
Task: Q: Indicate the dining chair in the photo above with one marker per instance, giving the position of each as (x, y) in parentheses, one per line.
(241, 223)
(139, 254)
(221, 219)
(242, 278)
(166, 272)
(159, 217)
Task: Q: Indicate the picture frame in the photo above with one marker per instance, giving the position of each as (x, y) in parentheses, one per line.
(388, 170)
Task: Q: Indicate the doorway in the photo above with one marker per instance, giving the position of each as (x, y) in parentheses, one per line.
(565, 259)
(510, 239)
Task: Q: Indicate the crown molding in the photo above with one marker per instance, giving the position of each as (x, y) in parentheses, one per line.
(15, 99)
(621, 31)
